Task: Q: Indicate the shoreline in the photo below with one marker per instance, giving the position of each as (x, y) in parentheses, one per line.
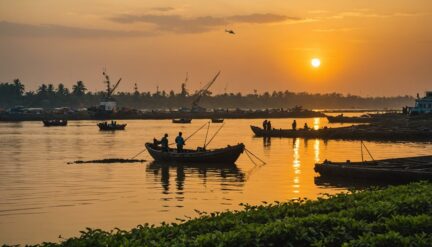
(393, 215)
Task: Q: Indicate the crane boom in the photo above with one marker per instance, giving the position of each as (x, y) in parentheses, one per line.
(203, 90)
(115, 87)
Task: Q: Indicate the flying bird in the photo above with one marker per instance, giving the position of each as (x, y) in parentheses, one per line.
(230, 31)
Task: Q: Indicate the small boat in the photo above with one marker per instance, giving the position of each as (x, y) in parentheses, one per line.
(227, 155)
(305, 133)
(217, 120)
(105, 126)
(182, 120)
(392, 170)
(49, 123)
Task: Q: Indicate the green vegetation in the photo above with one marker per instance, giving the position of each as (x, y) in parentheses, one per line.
(395, 216)
(49, 95)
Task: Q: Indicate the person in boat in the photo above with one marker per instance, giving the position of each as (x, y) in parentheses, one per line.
(306, 126)
(265, 124)
(269, 126)
(164, 143)
(180, 142)
(294, 125)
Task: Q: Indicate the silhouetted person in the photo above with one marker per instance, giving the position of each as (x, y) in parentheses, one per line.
(265, 124)
(269, 126)
(294, 125)
(306, 127)
(180, 142)
(164, 143)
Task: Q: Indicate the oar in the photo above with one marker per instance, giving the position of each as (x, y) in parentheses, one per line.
(187, 138)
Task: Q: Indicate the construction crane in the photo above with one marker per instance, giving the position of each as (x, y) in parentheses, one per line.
(109, 90)
(108, 104)
(202, 92)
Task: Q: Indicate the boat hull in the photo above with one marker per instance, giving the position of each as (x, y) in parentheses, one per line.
(228, 155)
(50, 123)
(104, 127)
(182, 121)
(394, 170)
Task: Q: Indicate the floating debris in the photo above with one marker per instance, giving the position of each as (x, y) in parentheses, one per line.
(113, 160)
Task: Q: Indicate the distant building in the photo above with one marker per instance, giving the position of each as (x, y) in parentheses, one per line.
(422, 105)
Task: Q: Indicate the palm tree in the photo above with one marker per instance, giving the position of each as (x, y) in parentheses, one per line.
(62, 90)
(79, 89)
(19, 87)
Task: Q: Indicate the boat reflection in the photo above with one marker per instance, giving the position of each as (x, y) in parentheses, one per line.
(349, 183)
(266, 142)
(225, 174)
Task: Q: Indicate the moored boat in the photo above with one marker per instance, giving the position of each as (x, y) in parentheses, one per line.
(395, 170)
(217, 120)
(105, 126)
(227, 155)
(359, 132)
(182, 120)
(49, 123)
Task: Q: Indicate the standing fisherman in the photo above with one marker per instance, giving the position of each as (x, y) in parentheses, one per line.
(269, 126)
(265, 125)
(180, 142)
(294, 125)
(164, 143)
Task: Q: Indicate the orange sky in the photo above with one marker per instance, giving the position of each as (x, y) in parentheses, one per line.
(366, 47)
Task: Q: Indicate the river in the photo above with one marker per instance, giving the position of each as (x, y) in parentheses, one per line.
(43, 197)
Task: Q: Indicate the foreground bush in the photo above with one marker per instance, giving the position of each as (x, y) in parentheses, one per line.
(396, 216)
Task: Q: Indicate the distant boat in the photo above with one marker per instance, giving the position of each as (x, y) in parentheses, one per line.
(50, 123)
(217, 120)
(182, 120)
(398, 170)
(105, 126)
(227, 155)
(422, 105)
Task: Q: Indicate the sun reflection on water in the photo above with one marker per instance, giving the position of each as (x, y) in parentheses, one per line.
(296, 166)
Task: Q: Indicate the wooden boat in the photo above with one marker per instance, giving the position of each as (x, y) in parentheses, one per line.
(227, 155)
(395, 170)
(358, 132)
(49, 123)
(260, 132)
(217, 120)
(182, 120)
(111, 126)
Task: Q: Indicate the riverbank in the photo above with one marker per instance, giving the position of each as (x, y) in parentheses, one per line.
(155, 115)
(395, 216)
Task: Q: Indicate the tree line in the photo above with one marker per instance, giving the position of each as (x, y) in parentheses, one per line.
(50, 96)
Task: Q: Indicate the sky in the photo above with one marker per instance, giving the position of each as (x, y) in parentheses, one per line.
(368, 48)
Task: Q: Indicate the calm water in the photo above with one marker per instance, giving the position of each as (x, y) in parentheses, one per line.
(43, 197)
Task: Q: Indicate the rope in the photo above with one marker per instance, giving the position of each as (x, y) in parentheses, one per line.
(217, 131)
(247, 151)
(368, 152)
(205, 140)
(138, 153)
(250, 158)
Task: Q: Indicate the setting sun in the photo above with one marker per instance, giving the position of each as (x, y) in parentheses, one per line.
(315, 62)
